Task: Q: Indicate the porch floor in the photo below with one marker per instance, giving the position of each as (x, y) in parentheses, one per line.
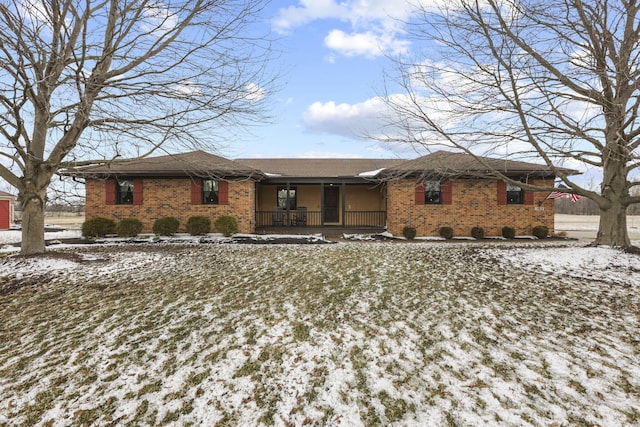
(326, 230)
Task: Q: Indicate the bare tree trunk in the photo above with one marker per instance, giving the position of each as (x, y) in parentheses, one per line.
(33, 205)
(613, 214)
(613, 227)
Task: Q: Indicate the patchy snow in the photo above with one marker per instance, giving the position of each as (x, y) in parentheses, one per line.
(371, 174)
(522, 333)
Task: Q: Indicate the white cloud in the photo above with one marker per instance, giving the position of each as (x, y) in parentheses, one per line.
(374, 27)
(254, 92)
(365, 44)
(309, 10)
(158, 19)
(351, 120)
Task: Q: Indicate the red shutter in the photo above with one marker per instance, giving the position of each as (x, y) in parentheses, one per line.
(223, 192)
(137, 191)
(5, 214)
(528, 197)
(419, 194)
(447, 192)
(502, 192)
(196, 191)
(110, 191)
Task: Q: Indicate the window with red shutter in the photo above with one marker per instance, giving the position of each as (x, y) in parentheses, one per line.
(502, 192)
(528, 197)
(223, 192)
(196, 191)
(447, 192)
(110, 191)
(137, 192)
(419, 197)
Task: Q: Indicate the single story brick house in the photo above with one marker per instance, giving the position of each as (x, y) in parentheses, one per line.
(6, 209)
(436, 190)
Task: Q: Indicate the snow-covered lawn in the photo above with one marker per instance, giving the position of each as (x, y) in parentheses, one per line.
(359, 333)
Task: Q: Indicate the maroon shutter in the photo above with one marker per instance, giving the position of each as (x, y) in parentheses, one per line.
(110, 191)
(502, 192)
(447, 192)
(223, 192)
(528, 197)
(196, 191)
(420, 194)
(137, 191)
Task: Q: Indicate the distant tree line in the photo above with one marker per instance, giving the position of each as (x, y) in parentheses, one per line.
(586, 206)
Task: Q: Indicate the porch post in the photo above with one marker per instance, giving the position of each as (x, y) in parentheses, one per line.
(344, 205)
(287, 204)
(322, 204)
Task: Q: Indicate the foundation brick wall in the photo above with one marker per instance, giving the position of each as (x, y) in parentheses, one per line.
(164, 197)
(474, 203)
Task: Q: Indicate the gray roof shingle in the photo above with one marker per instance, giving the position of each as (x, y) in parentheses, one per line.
(194, 163)
(319, 168)
(446, 163)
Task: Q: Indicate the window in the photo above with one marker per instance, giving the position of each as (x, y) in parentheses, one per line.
(124, 192)
(514, 195)
(287, 196)
(432, 193)
(210, 192)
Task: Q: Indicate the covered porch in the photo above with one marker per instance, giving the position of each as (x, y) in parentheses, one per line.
(321, 205)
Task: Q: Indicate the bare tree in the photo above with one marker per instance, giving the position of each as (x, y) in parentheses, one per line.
(84, 80)
(554, 80)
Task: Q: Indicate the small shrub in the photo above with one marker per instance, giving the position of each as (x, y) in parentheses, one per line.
(508, 232)
(446, 232)
(98, 227)
(129, 227)
(167, 226)
(540, 231)
(409, 233)
(197, 225)
(477, 233)
(227, 225)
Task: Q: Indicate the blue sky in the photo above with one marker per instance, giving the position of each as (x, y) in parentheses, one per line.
(332, 60)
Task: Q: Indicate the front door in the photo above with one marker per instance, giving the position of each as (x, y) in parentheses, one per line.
(331, 204)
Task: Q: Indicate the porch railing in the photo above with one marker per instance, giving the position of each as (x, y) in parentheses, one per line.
(305, 218)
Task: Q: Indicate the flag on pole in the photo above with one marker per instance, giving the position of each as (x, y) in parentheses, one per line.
(558, 194)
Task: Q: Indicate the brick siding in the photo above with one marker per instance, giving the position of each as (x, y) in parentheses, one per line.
(474, 203)
(164, 197)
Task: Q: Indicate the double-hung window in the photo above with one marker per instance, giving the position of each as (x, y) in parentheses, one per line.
(515, 195)
(124, 192)
(210, 192)
(432, 193)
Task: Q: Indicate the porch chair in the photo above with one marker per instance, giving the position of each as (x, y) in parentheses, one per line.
(301, 216)
(277, 217)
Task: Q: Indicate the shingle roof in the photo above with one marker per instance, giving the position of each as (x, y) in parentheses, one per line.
(446, 163)
(195, 163)
(6, 195)
(200, 163)
(319, 168)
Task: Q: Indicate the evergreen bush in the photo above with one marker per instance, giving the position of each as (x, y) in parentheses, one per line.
(227, 225)
(98, 227)
(508, 232)
(167, 226)
(540, 231)
(446, 232)
(129, 227)
(477, 233)
(409, 233)
(198, 225)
